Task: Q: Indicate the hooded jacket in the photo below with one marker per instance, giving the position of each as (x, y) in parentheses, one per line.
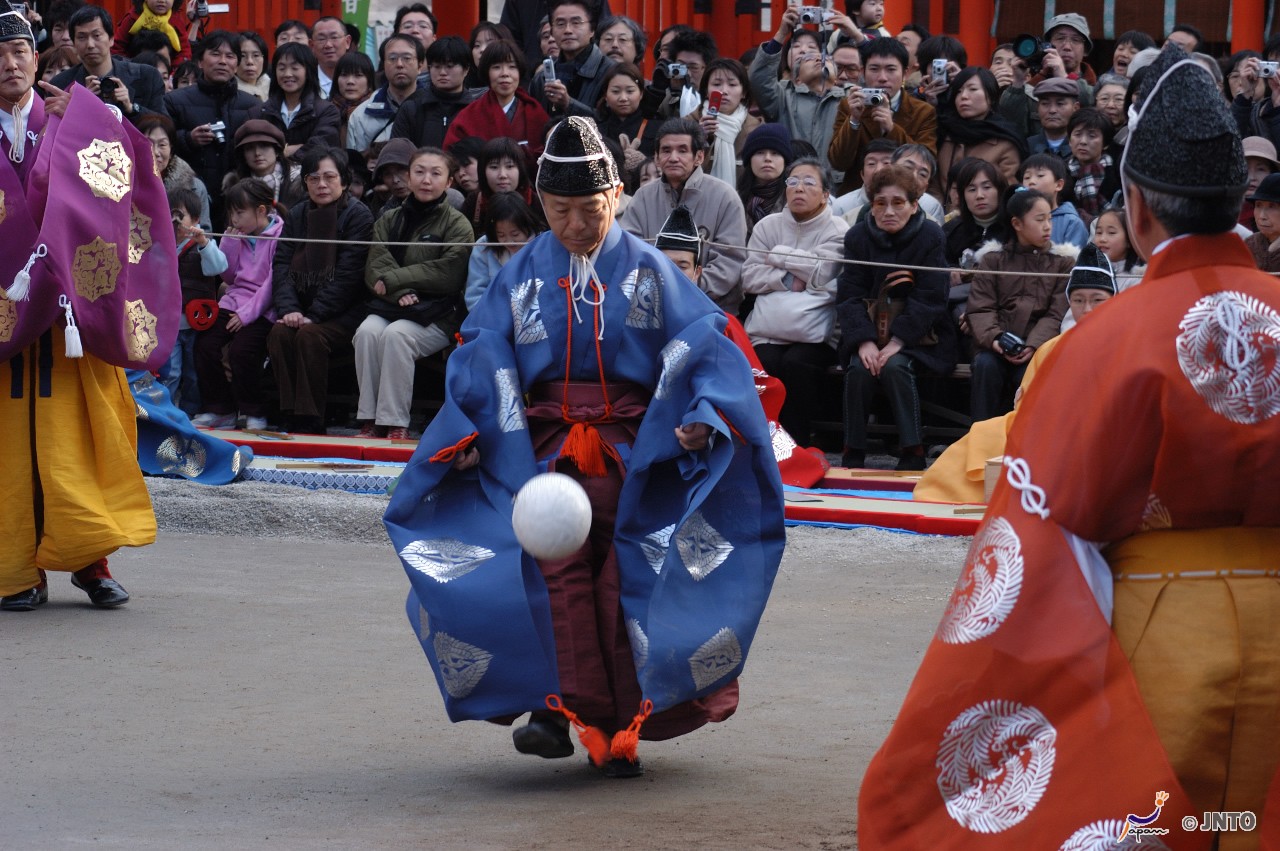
(1030, 306)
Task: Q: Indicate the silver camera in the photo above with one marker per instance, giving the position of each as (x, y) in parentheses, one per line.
(219, 131)
(938, 71)
(874, 97)
(1267, 70)
(814, 15)
(677, 69)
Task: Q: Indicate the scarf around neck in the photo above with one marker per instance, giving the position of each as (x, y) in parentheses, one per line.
(149, 20)
(724, 164)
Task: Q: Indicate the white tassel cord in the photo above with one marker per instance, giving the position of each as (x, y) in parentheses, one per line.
(21, 287)
(581, 271)
(72, 333)
(18, 150)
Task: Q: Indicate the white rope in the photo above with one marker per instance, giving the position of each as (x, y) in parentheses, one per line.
(1033, 497)
(720, 245)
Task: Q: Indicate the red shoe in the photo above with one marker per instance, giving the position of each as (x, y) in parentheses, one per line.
(397, 433)
(372, 429)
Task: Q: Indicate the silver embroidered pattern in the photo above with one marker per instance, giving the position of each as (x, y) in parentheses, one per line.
(719, 656)
(526, 312)
(444, 559)
(639, 643)
(646, 305)
(1155, 516)
(783, 444)
(424, 624)
(1101, 836)
(510, 405)
(628, 285)
(462, 665)
(656, 545)
(701, 547)
(237, 462)
(988, 586)
(181, 455)
(675, 357)
(994, 763)
(1229, 349)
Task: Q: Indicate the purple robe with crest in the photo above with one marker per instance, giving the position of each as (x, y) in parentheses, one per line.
(87, 192)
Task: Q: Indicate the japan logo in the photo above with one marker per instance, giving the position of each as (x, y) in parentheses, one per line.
(988, 587)
(994, 763)
(1229, 350)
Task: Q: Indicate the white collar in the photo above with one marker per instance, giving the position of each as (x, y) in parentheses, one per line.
(1162, 246)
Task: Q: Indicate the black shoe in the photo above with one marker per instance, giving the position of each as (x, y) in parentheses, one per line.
(620, 769)
(911, 462)
(543, 738)
(25, 601)
(103, 593)
(853, 459)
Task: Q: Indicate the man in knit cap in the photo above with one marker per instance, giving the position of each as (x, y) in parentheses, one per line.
(592, 355)
(87, 284)
(1113, 632)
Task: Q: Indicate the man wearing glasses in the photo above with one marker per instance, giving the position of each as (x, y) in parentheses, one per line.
(581, 68)
(424, 118)
(1068, 36)
(330, 41)
(371, 122)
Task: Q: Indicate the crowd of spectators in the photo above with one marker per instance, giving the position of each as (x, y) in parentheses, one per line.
(832, 144)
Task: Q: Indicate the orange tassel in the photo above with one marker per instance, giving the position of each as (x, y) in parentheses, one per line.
(585, 447)
(592, 738)
(448, 453)
(626, 742)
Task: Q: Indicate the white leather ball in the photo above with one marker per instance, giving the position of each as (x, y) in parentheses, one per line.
(552, 516)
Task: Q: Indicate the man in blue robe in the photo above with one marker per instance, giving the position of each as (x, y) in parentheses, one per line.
(594, 356)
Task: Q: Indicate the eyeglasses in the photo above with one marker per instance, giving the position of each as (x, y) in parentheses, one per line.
(323, 177)
(619, 38)
(402, 59)
(806, 182)
(1064, 38)
(848, 70)
(897, 204)
(566, 23)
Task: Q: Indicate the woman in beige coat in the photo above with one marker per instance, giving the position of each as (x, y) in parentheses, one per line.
(969, 126)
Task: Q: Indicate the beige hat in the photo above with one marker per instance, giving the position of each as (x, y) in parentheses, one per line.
(1257, 146)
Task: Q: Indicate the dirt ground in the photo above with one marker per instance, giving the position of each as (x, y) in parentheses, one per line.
(263, 689)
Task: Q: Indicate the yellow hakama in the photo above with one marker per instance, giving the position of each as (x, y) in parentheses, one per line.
(69, 475)
(958, 473)
(1196, 613)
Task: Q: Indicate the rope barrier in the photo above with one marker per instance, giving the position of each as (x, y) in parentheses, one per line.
(720, 245)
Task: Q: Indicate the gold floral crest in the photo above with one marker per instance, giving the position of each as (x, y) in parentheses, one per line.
(140, 330)
(139, 235)
(95, 269)
(105, 168)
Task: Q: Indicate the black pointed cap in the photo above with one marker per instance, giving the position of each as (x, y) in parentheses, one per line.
(679, 233)
(1093, 271)
(14, 24)
(575, 161)
(1184, 140)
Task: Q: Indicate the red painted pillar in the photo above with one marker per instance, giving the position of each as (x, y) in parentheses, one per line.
(975, 29)
(724, 27)
(456, 18)
(1248, 18)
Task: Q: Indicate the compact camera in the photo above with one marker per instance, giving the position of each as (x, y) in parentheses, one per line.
(814, 15)
(677, 69)
(219, 131)
(1011, 343)
(1267, 70)
(874, 97)
(107, 88)
(938, 71)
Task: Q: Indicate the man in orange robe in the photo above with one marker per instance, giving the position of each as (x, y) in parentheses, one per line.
(1111, 639)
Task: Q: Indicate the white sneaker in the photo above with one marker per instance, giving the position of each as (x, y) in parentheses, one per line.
(255, 423)
(216, 421)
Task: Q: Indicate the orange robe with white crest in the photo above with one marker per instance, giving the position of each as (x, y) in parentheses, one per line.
(1113, 632)
(69, 476)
